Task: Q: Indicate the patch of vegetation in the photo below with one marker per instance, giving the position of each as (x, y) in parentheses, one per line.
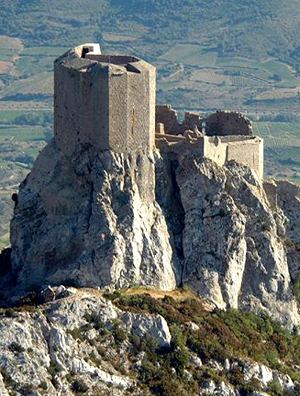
(78, 386)
(16, 348)
(53, 369)
(77, 333)
(43, 385)
(96, 322)
(232, 335)
(26, 390)
(275, 388)
(119, 333)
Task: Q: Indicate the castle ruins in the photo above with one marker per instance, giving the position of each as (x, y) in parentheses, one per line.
(222, 137)
(108, 101)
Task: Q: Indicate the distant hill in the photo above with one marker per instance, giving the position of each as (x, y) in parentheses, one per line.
(259, 28)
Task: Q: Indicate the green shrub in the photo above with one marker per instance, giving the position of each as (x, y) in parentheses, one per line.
(275, 388)
(168, 386)
(43, 385)
(10, 313)
(15, 347)
(118, 332)
(9, 382)
(146, 343)
(26, 390)
(77, 333)
(53, 369)
(79, 386)
(96, 322)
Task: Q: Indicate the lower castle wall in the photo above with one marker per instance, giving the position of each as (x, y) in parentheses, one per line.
(250, 153)
(215, 150)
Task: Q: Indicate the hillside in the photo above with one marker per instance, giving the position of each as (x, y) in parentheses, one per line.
(143, 343)
(258, 29)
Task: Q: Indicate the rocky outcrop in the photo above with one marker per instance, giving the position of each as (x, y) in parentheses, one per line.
(232, 238)
(90, 220)
(71, 343)
(284, 198)
(93, 220)
(85, 344)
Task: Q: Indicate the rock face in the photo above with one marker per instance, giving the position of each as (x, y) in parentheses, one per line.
(85, 344)
(285, 198)
(230, 236)
(90, 220)
(52, 351)
(94, 220)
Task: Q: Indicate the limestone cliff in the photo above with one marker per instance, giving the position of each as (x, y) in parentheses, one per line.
(90, 220)
(93, 220)
(233, 239)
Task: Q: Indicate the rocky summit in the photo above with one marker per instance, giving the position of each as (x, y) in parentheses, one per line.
(91, 220)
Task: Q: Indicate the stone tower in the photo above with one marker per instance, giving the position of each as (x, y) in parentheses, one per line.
(107, 101)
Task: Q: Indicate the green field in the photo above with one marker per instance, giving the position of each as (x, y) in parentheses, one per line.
(9, 116)
(190, 54)
(19, 146)
(44, 51)
(22, 133)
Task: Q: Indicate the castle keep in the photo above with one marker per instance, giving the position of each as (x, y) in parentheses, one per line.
(108, 102)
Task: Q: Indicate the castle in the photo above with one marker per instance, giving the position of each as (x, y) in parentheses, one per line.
(108, 101)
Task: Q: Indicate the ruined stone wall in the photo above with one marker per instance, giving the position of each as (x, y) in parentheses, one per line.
(215, 150)
(180, 145)
(168, 117)
(221, 123)
(248, 152)
(108, 105)
(224, 123)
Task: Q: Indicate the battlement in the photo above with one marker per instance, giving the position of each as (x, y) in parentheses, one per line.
(168, 117)
(220, 123)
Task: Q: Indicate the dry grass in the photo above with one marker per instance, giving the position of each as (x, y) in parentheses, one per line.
(11, 43)
(177, 294)
(5, 67)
